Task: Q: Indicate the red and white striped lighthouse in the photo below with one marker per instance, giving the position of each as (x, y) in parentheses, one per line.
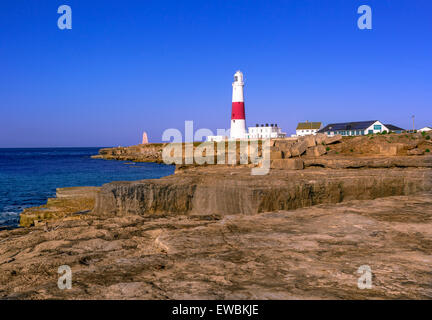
(238, 118)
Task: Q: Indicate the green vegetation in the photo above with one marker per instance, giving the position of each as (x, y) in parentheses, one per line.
(328, 149)
(427, 150)
(384, 132)
(427, 138)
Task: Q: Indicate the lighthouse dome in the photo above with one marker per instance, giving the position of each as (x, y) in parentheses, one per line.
(238, 77)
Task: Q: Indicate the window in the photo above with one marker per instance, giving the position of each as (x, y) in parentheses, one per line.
(377, 127)
(235, 78)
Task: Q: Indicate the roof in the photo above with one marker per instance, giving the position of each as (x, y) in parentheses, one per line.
(393, 128)
(358, 125)
(308, 125)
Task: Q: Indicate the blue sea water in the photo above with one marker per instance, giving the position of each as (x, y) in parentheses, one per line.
(28, 177)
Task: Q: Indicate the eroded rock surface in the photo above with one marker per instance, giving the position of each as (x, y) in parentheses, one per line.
(307, 253)
(221, 190)
(68, 202)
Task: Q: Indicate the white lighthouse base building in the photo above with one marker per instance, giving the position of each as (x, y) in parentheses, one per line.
(262, 131)
(266, 131)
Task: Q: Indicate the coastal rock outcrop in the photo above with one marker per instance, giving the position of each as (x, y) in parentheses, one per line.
(68, 202)
(151, 152)
(370, 162)
(320, 145)
(219, 190)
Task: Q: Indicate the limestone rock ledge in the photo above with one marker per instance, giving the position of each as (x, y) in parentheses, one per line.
(309, 253)
(69, 202)
(221, 191)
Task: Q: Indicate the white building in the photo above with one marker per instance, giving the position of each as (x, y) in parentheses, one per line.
(425, 129)
(308, 128)
(354, 128)
(266, 131)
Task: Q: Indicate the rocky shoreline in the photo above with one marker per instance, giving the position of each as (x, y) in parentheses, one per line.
(389, 145)
(308, 253)
(216, 231)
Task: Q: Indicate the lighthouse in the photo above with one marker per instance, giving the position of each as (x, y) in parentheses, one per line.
(238, 119)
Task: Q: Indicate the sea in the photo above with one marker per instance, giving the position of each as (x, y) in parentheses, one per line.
(28, 177)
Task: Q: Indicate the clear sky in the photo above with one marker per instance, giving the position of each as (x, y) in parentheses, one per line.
(129, 66)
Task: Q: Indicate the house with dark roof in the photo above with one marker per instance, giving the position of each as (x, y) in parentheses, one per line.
(307, 128)
(394, 129)
(358, 128)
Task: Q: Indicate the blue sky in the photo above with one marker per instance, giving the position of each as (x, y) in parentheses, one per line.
(129, 66)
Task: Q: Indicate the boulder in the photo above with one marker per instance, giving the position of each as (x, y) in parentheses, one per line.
(333, 139)
(275, 155)
(320, 138)
(309, 140)
(289, 164)
(316, 151)
(283, 144)
(390, 149)
(298, 149)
